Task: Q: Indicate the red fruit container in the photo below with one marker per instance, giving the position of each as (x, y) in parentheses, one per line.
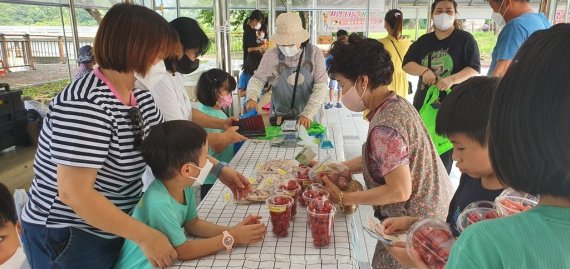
(475, 212)
(432, 240)
(293, 189)
(303, 172)
(280, 207)
(510, 205)
(321, 220)
(312, 193)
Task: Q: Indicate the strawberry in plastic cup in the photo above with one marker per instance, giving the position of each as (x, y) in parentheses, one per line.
(432, 240)
(510, 205)
(321, 220)
(293, 189)
(303, 172)
(474, 215)
(280, 207)
(312, 193)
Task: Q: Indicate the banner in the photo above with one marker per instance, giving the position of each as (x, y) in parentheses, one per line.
(351, 21)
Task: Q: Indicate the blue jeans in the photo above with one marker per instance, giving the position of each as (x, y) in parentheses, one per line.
(68, 248)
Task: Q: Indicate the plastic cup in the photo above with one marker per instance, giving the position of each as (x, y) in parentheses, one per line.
(288, 189)
(280, 207)
(432, 240)
(321, 221)
(474, 215)
(312, 193)
(510, 205)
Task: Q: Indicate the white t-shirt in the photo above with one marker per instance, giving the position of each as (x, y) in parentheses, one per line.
(173, 102)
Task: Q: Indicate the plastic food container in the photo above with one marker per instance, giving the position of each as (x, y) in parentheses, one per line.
(321, 220)
(312, 193)
(510, 205)
(337, 172)
(432, 240)
(475, 212)
(293, 189)
(280, 207)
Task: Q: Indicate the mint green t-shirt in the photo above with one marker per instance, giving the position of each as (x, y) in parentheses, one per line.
(228, 153)
(538, 238)
(158, 209)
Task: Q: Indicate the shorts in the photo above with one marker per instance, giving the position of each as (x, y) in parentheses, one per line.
(333, 84)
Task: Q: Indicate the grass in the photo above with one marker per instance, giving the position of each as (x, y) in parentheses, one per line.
(46, 91)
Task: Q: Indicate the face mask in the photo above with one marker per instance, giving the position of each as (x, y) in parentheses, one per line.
(226, 101)
(498, 17)
(204, 171)
(154, 75)
(187, 66)
(352, 100)
(18, 259)
(289, 51)
(443, 21)
(257, 26)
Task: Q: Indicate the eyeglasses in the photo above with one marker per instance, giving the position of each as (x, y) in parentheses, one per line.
(437, 103)
(138, 128)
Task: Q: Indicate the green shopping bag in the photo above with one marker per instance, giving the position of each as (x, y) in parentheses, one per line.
(428, 113)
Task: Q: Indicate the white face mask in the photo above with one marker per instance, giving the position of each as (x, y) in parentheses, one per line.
(204, 171)
(257, 26)
(289, 51)
(352, 100)
(18, 260)
(498, 17)
(154, 75)
(443, 21)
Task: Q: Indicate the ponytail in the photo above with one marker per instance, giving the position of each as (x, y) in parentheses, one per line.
(395, 18)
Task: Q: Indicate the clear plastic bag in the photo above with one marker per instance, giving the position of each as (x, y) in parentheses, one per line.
(337, 172)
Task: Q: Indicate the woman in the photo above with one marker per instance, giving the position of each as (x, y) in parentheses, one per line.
(537, 238)
(279, 68)
(87, 167)
(399, 163)
(444, 57)
(397, 46)
(251, 25)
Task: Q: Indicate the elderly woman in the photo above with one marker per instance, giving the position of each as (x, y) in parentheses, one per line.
(88, 165)
(401, 168)
(296, 71)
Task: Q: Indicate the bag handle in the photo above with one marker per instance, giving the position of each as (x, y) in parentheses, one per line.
(297, 78)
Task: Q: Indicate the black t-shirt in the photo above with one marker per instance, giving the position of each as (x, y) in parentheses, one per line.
(249, 39)
(448, 56)
(469, 191)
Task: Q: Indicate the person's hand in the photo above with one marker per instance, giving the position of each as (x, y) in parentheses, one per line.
(313, 163)
(238, 184)
(248, 233)
(333, 190)
(229, 122)
(305, 122)
(398, 224)
(250, 219)
(157, 249)
(233, 136)
(444, 83)
(250, 105)
(429, 78)
(400, 254)
(418, 262)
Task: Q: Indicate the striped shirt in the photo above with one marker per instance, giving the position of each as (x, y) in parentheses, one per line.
(88, 126)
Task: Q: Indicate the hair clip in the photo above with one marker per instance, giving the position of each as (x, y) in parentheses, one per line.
(397, 14)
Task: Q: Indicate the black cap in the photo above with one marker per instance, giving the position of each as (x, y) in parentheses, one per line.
(85, 54)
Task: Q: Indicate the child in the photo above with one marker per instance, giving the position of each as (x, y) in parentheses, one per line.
(214, 92)
(250, 64)
(169, 204)
(11, 253)
(463, 118)
(85, 61)
(341, 36)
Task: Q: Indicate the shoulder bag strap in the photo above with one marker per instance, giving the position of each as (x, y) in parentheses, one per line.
(297, 78)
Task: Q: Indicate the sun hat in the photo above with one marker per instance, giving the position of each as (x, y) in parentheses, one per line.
(289, 30)
(85, 54)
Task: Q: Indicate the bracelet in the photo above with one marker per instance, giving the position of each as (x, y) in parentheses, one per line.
(427, 69)
(340, 198)
(217, 169)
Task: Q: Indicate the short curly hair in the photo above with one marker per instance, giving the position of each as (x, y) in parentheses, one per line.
(362, 57)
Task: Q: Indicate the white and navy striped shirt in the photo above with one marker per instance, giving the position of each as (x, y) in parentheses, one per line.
(88, 126)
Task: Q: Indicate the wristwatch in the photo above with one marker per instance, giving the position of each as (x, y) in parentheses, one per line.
(216, 169)
(228, 241)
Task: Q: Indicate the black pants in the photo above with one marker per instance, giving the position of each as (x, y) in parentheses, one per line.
(447, 159)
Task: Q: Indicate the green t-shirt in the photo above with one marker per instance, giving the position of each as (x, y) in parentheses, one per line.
(538, 238)
(158, 209)
(228, 153)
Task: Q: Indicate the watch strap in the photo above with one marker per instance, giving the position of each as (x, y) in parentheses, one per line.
(227, 235)
(216, 169)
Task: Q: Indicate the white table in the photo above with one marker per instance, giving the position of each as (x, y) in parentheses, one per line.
(294, 251)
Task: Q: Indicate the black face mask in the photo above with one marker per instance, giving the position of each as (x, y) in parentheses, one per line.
(187, 66)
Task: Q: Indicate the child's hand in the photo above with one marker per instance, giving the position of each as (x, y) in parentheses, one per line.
(245, 234)
(400, 254)
(250, 219)
(398, 224)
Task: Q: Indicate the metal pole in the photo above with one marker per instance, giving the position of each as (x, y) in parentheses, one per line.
(257, 4)
(417, 22)
(65, 41)
(271, 17)
(289, 5)
(223, 53)
(430, 2)
(367, 14)
(314, 22)
(74, 26)
(177, 8)
(567, 10)
(152, 5)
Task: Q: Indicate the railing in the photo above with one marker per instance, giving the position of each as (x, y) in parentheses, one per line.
(26, 50)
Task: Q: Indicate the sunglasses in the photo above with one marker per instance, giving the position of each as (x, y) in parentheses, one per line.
(437, 103)
(138, 128)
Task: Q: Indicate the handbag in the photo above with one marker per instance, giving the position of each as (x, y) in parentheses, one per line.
(428, 113)
(410, 91)
(278, 120)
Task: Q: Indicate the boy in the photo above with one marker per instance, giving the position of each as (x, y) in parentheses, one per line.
(169, 206)
(11, 253)
(463, 118)
(341, 36)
